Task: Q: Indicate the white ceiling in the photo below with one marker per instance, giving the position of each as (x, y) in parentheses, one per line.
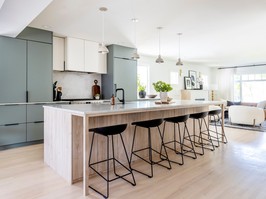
(215, 32)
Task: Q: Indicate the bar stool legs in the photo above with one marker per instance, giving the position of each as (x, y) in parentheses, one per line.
(184, 148)
(163, 157)
(219, 137)
(111, 131)
(204, 140)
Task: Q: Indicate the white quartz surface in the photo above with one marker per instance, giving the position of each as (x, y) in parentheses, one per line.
(34, 103)
(134, 106)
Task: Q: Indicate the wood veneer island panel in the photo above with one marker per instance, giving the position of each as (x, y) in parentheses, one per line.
(67, 139)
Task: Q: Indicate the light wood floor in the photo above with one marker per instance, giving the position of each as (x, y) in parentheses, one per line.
(234, 170)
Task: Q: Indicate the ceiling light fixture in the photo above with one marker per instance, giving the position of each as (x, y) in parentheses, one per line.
(179, 62)
(135, 54)
(102, 48)
(159, 60)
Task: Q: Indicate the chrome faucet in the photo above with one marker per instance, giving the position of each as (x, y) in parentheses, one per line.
(123, 95)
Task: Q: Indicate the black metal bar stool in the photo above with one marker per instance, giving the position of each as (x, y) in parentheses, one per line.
(184, 148)
(204, 140)
(110, 131)
(163, 157)
(214, 118)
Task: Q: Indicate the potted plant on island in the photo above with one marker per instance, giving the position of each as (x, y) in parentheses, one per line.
(141, 89)
(163, 88)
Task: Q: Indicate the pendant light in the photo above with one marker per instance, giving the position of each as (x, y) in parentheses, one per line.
(102, 48)
(159, 60)
(135, 54)
(179, 62)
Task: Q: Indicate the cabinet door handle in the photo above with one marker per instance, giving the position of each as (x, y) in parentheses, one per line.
(38, 122)
(27, 96)
(14, 124)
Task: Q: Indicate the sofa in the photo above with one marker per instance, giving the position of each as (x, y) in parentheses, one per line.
(248, 115)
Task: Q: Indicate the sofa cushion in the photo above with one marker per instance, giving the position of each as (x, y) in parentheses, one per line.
(246, 115)
(231, 103)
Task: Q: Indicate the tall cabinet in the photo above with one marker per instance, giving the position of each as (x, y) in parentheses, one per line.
(121, 72)
(25, 82)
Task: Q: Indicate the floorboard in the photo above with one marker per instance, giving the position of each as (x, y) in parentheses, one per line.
(234, 170)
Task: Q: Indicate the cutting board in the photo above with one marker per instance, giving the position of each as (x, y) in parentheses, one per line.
(95, 89)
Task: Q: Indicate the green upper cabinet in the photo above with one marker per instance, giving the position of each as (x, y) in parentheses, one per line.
(12, 70)
(121, 51)
(121, 73)
(39, 81)
(34, 34)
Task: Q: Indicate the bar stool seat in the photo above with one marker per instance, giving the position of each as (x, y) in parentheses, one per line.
(184, 148)
(214, 115)
(163, 157)
(110, 131)
(204, 139)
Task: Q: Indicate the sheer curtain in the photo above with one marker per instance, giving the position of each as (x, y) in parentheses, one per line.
(226, 83)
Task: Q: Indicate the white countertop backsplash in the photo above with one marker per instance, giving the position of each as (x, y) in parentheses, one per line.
(75, 84)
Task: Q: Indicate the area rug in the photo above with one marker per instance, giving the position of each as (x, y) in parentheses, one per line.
(261, 128)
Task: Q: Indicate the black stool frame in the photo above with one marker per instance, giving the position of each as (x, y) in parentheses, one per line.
(182, 152)
(200, 143)
(219, 136)
(114, 160)
(150, 149)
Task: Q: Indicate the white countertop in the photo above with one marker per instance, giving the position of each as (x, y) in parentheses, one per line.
(33, 103)
(134, 106)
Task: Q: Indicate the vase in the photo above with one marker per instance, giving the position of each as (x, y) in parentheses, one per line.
(163, 96)
(142, 94)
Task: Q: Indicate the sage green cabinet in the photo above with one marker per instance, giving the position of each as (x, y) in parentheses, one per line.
(121, 73)
(12, 70)
(39, 72)
(12, 124)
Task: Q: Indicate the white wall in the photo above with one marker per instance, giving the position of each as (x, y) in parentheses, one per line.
(162, 72)
(76, 85)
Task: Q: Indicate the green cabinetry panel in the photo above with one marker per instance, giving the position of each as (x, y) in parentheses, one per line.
(12, 134)
(121, 73)
(39, 81)
(34, 131)
(12, 114)
(12, 70)
(34, 34)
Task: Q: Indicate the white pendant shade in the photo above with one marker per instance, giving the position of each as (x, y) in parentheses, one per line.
(135, 55)
(159, 60)
(179, 62)
(102, 49)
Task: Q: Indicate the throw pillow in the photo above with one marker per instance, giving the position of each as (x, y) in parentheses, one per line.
(237, 103)
(229, 103)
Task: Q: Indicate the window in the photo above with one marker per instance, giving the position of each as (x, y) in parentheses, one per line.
(250, 87)
(143, 76)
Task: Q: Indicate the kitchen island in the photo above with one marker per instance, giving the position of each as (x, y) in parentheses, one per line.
(67, 139)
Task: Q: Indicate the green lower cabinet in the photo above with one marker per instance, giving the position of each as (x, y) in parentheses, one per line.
(12, 134)
(34, 131)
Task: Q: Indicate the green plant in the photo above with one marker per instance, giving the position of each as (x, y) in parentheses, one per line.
(161, 86)
(140, 86)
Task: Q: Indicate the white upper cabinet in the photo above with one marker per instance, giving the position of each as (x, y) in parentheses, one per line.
(91, 56)
(58, 53)
(82, 55)
(74, 54)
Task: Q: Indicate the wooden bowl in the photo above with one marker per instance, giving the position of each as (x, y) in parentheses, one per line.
(151, 96)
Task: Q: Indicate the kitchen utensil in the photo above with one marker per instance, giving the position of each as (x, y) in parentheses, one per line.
(95, 89)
